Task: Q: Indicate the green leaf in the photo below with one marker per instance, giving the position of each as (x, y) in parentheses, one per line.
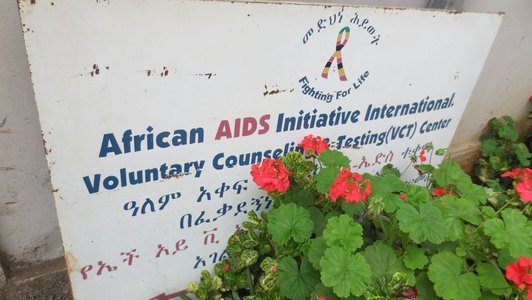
(299, 196)
(490, 147)
(390, 169)
(514, 233)
(343, 232)
(416, 194)
(450, 174)
(321, 291)
(345, 273)
(450, 282)
(353, 209)
(334, 158)
(522, 154)
(425, 168)
(415, 257)
(488, 212)
(316, 215)
(388, 188)
(425, 288)
(490, 277)
(325, 178)
(455, 211)
(427, 224)
(384, 262)
(297, 283)
(289, 221)
(316, 251)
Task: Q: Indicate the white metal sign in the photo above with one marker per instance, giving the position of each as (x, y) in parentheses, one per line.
(153, 112)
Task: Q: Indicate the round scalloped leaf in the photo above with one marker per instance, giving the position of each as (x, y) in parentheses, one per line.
(316, 250)
(450, 283)
(344, 232)
(297, 282)
(415, 257)
(345, 273)
(384, 262)
(490, 277)
(289, 221)
(427, 224)
(513, 232)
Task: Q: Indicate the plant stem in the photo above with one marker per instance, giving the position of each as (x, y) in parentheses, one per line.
(503, 207)
(250, 282)
(234, 295)
(524, 208)
(383, 228)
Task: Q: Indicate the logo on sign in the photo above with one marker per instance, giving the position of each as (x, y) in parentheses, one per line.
(349, 79)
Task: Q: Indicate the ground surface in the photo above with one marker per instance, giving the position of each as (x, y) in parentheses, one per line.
(48, 281)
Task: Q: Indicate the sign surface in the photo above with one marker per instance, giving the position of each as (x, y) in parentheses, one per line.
(153, 112)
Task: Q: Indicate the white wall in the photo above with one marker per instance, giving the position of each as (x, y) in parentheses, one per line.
(28, 224)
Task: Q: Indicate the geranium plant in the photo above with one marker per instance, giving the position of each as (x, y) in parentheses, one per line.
(337, 234)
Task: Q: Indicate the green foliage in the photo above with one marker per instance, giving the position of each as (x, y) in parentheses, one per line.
(343, 232)
(290, 221)
(415, 257)
(501, 150)
(297, 282)
(513, 232)
(346, 273)
(425, 224)
(449, 239)
(450, 280)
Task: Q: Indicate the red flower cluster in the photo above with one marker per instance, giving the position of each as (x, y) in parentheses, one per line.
(519, 273)
(271, 175)
(523, 177)
(438, 192)
(350, 186)
(313, 145)
(422, 156)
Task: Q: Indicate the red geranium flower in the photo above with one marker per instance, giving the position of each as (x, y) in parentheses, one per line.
(350, 186)
(519, 273)
(226, 267)
(524, 188)
(422, 156)
(518, 174)
(313, 145)
(439, 192)
(523, 177)
(322, 298)
(402, 195)
(271, 175)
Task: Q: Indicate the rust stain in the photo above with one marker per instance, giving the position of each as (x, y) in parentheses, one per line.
(5, 131)
(46, 150)
(72, 262)
(208, 75)
(33, 1)
(164, 72)
(274, 91)
(95, 70)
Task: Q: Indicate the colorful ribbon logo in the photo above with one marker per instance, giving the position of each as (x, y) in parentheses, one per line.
(337, 55)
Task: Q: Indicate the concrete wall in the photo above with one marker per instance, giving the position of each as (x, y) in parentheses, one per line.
(28, 224)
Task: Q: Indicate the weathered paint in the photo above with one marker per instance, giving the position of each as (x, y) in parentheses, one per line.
(233, 70)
